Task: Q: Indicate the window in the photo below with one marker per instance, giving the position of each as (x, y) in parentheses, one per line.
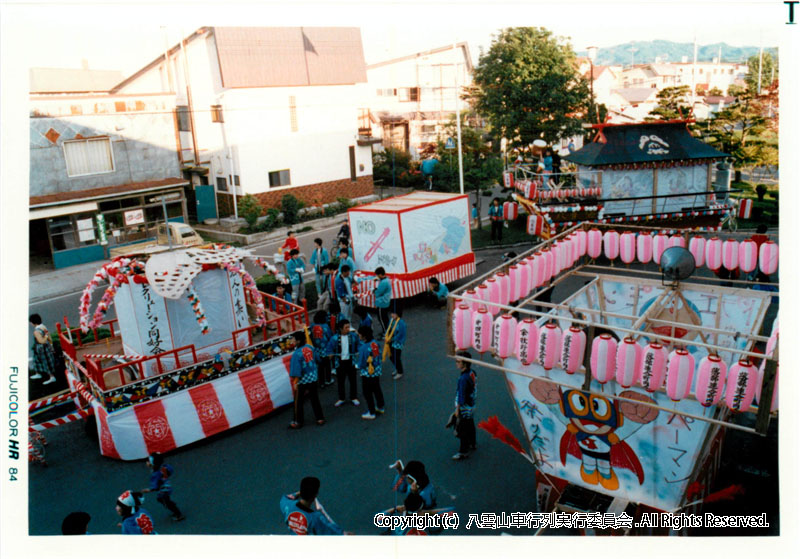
(352, 150)
(236, 180)
(408, 93)
(428, 129)
(222, 184)
(88, 157)
(387, 92)
(279, 178)
(182, 112)
(293, 113)
(216, 113)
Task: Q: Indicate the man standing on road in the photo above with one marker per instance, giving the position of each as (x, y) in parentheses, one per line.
(496, 217)
(344, 292)
(343, 349)
(303, 514)
(294, 269)
(303, 371)
(383, 297)
(319, 259)
(466, 391)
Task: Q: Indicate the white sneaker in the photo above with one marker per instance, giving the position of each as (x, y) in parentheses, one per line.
(338, 403)
(48, 381)
(355, 402)
(37, 376)
(367, 416)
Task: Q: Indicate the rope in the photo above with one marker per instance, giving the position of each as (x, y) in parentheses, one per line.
(46, 402)
(69, 418)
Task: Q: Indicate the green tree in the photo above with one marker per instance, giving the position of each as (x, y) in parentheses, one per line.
(769, 71)
(481, 161)
(395, 167)
(528, 87)
(673, 103)
(250, 210)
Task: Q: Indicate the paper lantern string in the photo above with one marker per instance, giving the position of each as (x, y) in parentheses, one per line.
(116, 272)
(197, 307)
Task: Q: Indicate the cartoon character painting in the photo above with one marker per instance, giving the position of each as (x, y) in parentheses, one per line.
(596, 429)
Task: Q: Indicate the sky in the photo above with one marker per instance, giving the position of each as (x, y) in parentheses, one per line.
(126, 36)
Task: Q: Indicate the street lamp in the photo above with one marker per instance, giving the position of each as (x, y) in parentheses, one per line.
(592, 53)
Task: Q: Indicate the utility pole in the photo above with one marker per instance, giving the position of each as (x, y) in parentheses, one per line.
(458, 126)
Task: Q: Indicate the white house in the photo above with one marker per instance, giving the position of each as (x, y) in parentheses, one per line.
(267, 111)
(412, 97)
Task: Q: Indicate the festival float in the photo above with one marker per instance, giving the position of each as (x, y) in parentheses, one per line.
(192, 352)
(626, 387)
(413, 237)
(652, 174)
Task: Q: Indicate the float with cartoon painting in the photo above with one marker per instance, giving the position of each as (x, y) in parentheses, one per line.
(651, 174)
(192, 352)
(413, 237)
(626, 386)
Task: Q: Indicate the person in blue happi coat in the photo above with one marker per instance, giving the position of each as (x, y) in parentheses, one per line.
(343, 351)
(369, 367)
(320, 336)
(319, 259)
(303, 372)
(295, 268)
(303, 514)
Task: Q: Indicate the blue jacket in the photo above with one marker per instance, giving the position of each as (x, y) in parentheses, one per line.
(369, 359)
(303, 365)
(442, 292)
(319, 258)
(139, 523)
(344, 289)
(496, 213)
(383, 293)
(399, 336)
(273, 304)
(320, 335)
(160, 480)
(428, 493)
(305, 522)
(466, 392)
(294, 269)
(334, 349)
(349, 261)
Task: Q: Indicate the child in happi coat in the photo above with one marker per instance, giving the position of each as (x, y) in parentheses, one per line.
(369, 367)
(320, 336)
(161, 482)
(135, 519)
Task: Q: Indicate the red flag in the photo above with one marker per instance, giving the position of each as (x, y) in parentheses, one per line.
(500, 431)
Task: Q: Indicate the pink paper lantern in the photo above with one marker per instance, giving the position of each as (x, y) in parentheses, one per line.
(697, 246)
(594, 243)
(483, 294)
(730, 254)
(514, 278)
(536, 263)
(611, 244)
(493, 293)
(524, 274)
(710, 386)
(558, 258)
(526, 339)
(580, 236)
(603, 359)
(628, 362)
(768, 257)
(504, 335)
(473, 294)
(714, 253)
(760, 381)
(627, 247)
(660, 244)
(741, 390)
(573, 347)
(748, 255)
(573, 241)
(680, 372)
(548, 345)
(510, 211)
(462, 327)
(535, 225)
(549, 265)
(654, 367)
(482, 331)
(644, 248)
(504, 283)
(677, 241)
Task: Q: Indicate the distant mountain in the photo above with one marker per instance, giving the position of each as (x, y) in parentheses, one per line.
(645, 52)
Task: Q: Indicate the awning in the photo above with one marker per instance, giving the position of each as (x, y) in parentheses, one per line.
(66, 209)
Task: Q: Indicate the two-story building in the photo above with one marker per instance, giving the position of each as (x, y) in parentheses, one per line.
(103, 168)
(266, 111)
(412, 97)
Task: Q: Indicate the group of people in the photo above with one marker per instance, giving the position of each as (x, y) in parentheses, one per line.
(135, 519)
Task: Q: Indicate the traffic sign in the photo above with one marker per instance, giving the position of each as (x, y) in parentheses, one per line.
(450, 144)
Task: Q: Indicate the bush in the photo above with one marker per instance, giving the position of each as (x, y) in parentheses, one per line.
(265, 283)
(290, 206)
(761, 190)
(344, 203)
(271, 221)
(774, 194)
(250, 210)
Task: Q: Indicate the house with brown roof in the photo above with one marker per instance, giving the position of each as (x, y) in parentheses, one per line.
(412, 97)
(267, 111)
(104, 167)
